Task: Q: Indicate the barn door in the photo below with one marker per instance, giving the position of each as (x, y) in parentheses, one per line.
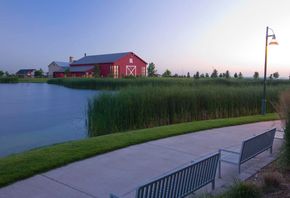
(130, 70)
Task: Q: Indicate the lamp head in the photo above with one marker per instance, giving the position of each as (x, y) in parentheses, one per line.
(274, 40)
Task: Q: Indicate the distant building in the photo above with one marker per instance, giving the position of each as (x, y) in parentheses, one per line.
(26, 73)
(108, 65)
(56, 68)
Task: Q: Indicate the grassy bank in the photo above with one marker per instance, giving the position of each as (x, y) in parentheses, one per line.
(116, 84)
(145, 107)
(33, 80)
(9, 80)
(23, 165)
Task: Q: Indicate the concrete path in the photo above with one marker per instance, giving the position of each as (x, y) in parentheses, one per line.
(122, 171)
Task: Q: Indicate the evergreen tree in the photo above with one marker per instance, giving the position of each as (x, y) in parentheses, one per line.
(214, 74)
(240, 75)
(188, 75)
(196, 75)
(236, 75)
(206, 75)
(227, 74)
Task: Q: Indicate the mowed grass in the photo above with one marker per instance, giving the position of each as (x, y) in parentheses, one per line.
(24, 165)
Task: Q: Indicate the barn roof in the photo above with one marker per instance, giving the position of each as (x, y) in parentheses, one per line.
(103, 58)
(24, 71)
(81, 68)
(62, 64)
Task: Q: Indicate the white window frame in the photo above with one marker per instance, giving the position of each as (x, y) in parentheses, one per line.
(131, 60)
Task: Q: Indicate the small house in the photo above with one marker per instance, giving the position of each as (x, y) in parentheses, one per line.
(57, 69)
(26, 73)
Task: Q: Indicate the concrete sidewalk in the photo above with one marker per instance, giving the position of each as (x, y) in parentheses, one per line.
(122, 171)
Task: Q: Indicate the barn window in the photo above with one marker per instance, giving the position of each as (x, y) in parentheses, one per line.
(115, 71)
(143, 71)
(130, 60)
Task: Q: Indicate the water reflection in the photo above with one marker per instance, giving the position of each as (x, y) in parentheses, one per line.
(34, 115)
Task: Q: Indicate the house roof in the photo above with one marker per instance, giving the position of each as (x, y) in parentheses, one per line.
(96, 59)
(62, 64)
(24, 71)
(81, 68)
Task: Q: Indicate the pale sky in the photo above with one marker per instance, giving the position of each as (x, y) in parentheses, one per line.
(182, 36)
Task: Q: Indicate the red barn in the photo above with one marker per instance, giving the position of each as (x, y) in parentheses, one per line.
(115, 65)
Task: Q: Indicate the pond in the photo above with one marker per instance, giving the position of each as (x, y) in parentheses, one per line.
(39, 114)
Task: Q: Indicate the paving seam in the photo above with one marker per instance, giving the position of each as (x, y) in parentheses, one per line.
(71, 187)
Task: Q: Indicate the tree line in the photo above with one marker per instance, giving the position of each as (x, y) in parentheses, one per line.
(37, 73)
(152, 72)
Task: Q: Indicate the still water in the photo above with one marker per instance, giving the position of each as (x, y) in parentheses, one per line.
(39, 114)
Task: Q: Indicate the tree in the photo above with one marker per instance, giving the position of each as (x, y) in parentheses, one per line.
(202, 75)
(236, 75)
(175, 75)
(38, 73)
(206, 75)
(256, 75)
(188, 75)
(97, 71)
(276, 75)
(214, 74)
(167, 73)
(240, 75)
(196, 75)
(151, 71)
(1, 73)
(66, 72)
(227, 74)
(271, 76)
(7, 74)
(221, 75)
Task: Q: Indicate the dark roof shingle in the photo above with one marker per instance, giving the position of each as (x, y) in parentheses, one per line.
(96, 59)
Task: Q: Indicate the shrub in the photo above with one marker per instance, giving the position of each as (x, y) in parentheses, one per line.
(284, 112)
(272, 181)
(243, 190)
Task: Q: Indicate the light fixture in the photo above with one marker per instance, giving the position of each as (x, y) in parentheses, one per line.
(272, 42)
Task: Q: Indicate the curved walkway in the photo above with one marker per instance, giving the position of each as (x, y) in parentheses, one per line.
(123, 170)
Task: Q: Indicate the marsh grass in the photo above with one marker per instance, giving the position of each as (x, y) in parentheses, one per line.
(116, 84)
(149, 106)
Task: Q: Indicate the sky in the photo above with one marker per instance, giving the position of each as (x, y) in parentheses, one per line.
(182, 36)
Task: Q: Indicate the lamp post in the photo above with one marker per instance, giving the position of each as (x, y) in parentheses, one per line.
(273, 42)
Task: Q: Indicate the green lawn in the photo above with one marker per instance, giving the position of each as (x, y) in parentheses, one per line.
(24, 165)
(32, 80)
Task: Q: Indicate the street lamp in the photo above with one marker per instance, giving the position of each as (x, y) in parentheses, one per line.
(272, 42)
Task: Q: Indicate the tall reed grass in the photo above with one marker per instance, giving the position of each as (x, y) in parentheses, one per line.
(149, 106)
(8, 80)
(116, 84)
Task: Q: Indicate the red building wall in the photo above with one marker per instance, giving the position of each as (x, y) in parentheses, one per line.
(105, 68)
(123, 62)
